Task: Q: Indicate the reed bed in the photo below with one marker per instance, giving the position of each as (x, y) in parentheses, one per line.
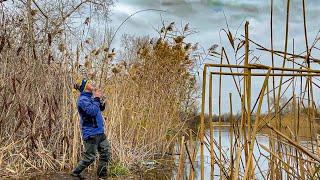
(288, 123)
(151, 91)
(149, 87)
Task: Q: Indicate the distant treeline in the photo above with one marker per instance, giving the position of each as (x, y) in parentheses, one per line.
(226, 117)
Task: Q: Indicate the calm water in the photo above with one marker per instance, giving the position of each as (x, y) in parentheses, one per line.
(225, 142)
(259, 153)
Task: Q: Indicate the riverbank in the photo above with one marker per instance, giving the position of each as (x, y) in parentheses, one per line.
(161, 169)
(67, 176)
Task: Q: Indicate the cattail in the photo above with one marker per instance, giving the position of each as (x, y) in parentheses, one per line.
(19, 50)
(152, 41)
(14, 85)
(139, 51)
(177, 47)
(88, 64)
(33, 12)
(87, 21)
(115, 70)
(112, 54)
(8, 43)
(170, 27)
(195, 47)
(188, 46)
(186, 27)
(88, 41)
(60, 31)
(61, 47)
(49, 39)
(162, 30)
(93, 51)
(97, 52)
(179, 39)
(134, 78)
(186, 57)
(159, 41)
(213, 48)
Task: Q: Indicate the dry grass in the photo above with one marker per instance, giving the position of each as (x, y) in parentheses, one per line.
(149, 92)
(147, 99)
(292, 150)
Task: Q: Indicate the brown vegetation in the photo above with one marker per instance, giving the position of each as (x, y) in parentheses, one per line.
(149, 91)
(288, 154)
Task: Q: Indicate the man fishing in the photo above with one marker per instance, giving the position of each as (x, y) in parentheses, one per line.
(92, 127)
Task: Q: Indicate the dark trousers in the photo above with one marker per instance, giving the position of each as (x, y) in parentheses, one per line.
(91, 146)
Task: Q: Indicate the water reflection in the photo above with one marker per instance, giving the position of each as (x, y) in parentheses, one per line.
(261, 155)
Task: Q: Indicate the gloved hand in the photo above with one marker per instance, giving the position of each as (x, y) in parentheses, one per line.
(102, 106)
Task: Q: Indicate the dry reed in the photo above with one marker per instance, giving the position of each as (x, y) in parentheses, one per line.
(149, 88)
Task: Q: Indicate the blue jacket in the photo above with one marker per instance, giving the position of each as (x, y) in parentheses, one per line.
(91, 120)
